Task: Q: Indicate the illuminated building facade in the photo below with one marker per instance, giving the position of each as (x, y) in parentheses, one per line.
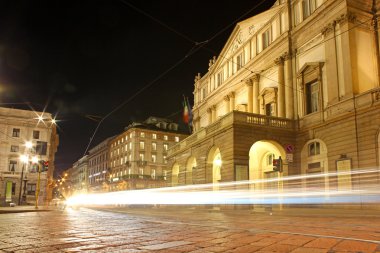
(26, 137)
(137, 157)
(79, 176)
(299, 81)
(98, 169)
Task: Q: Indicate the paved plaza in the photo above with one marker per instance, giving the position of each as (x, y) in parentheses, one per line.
(189, 230)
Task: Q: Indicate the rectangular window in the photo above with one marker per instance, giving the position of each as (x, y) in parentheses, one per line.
(297, 16)
(31, 189)
(219, 79)
(154, 146)
(312, 97)
(126, 147)
(130, 135)
(203, 93)
(266, 38)
(130, 146)
(154, 136)
(142, 135)
(16, 132)
(12, 165)
(176, 139)
(164, 157)
(36, 134)
(165, 173)
(269, 109)
(154, 158)
(165, 147)
(308, 7)
(314, 148)
(14, 148)
(239, 61)
(153, 174)
(165, 137)
(142, 156)
(142, 145)
(41, 148)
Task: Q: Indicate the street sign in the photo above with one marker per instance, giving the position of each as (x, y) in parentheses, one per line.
(289, 148)
(289, 158)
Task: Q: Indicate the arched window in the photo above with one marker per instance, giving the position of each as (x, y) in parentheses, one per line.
(314, 148)
(269, 158)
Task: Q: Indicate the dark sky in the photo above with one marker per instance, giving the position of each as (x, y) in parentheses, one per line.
(86, 57)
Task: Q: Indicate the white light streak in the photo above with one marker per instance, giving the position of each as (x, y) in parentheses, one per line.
(288, 190)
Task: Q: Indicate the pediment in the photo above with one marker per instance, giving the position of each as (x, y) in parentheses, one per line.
(242, 32)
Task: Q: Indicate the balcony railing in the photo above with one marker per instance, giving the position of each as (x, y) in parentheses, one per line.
(235, 117)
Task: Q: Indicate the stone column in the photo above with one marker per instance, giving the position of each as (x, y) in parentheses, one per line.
(256, 102)
(281, 88)
(289, 101)
(213, 113)
(232, 101)
(227, 104)
(209, 113)
(249, 84)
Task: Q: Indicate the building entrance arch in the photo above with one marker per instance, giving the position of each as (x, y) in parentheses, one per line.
(261, 155)
(214, 159)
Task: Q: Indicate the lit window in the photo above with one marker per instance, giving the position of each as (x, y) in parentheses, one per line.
(176, 139)
(130, 146)
(121, 161)
(126, 138)
(165, 137)
(142, 156)
(130, 135)
(164, 157)
(166, 147)
(126, 147)
(118, 142)
(153, 175)
(314, 148)
(130, 157)
(142, 145)
(165, 173)
(154, 146)
(154, 158)
(154, 136)
(141, 171)
(142, 134)
(36, 134)
(312, 97)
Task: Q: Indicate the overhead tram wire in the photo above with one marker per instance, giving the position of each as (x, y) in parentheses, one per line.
(194, 49)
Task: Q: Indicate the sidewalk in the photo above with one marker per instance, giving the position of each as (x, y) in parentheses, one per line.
(23, 209)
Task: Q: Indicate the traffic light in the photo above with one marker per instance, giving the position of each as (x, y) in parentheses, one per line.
(44, 165)
(277, 164)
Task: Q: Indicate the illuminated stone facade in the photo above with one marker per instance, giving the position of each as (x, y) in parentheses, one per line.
(300, 81)
(18, 179)
(137, 156)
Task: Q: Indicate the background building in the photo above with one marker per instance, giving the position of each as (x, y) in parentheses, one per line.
(26, 139)
(98, 167)
(300, 81)
(138, 155)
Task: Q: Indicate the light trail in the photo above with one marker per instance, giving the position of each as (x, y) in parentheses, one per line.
(299, 189)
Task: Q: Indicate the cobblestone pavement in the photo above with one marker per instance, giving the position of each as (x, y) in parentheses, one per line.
(185, 230)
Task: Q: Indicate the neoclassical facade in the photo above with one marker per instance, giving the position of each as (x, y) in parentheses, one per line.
(300, 81)
(26, 138)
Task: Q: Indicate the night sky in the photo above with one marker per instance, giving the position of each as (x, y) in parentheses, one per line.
(86, 57)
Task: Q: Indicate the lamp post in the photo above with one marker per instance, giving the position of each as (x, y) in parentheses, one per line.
(24, 159)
